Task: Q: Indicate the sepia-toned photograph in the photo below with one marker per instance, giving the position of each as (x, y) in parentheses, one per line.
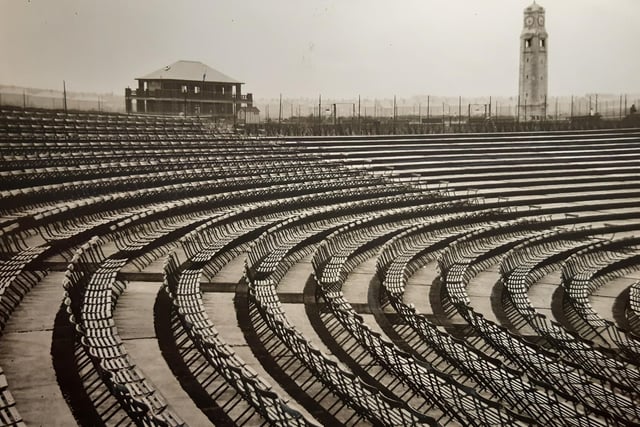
(319, 213)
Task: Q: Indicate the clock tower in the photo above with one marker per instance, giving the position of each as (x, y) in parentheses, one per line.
(534, 44)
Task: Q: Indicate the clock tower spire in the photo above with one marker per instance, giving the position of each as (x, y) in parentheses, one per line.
(532, 93)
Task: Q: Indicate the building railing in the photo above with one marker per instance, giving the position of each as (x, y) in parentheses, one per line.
(192, 96)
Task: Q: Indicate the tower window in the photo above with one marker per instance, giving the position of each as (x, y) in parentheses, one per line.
(527, 42)
(542, 42)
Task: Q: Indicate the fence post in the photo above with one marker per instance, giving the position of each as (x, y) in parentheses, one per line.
(64, 93)
(571, 107)
(620, 110)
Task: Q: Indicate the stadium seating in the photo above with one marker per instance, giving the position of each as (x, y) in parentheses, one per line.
(284, 278)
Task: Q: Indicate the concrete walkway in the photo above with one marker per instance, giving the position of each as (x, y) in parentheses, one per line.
(604, 298)
(221, 310)
(479, 290)
(25, 356)
(134, 319)
(418, 287)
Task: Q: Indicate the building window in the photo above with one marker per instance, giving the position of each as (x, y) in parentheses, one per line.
(196, 89)
(184, 89)
(542, 43)
(527, 42)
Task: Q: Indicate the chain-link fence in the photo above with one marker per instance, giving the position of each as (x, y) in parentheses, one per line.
(55, 100)
(431, 109)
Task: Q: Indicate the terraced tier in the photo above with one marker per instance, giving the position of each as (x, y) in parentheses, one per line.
(155, 272)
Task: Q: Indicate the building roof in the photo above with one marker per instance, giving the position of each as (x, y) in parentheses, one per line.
(191, 71)
(535, 7)
(252, 109)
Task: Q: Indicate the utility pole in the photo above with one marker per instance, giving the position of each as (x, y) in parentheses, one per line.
(64, 93)
(395, 113)
(185, 101)
(320, 109)
(235, 116)
(620, 107)
(625, 104)
(395, 109)
(572, 106)
(280, 110)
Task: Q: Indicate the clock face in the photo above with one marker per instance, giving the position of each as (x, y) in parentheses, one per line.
(528, 21)
(541, 20)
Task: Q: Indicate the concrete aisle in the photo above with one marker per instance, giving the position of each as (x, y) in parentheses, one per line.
(134, 320)
(25, 356)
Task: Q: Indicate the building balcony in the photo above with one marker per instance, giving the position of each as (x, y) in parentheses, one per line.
(175, 94)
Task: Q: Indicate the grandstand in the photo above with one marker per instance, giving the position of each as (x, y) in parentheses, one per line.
(155, 271)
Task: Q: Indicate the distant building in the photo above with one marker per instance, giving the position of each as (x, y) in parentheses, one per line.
(249, 115)
(189, 88)
(534, 45)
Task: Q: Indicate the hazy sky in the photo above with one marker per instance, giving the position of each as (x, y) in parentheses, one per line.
(340, 48)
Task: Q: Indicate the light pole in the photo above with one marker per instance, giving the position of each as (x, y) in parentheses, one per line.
(204, 76)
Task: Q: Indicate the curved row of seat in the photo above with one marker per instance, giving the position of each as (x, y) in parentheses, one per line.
(91, 291)
(411, 250)
(570, 345)
(182, 286)
(263, 271)
(520, 210)
(589, 269)
(633, 311)
(345, 249)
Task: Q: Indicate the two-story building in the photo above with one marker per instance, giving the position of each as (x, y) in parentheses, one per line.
(189, 88)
